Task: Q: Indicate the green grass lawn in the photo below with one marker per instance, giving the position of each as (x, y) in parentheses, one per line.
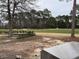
(44, 30)
(55, 30)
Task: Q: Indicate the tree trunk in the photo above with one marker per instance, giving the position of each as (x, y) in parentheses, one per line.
(9, 18)
(73, 19)
(13, 12)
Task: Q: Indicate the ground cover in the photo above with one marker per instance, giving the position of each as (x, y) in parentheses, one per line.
(67, 31)
(29, 48)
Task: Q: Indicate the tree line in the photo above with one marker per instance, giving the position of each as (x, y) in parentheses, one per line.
(41, 19)
(20, 15)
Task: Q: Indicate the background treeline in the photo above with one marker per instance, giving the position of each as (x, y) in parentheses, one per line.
(40, 19)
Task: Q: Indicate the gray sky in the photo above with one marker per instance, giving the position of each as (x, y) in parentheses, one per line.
(56, 7)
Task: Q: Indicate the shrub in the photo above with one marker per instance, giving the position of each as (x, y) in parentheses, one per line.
(30, 33)
(26, 34)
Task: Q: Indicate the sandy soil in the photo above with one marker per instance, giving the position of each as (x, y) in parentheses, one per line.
(29, 48)
(55, 34)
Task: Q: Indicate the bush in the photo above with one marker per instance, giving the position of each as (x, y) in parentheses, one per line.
(30, 33)
(26, 34)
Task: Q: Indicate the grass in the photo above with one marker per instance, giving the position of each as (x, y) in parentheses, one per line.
(53, 30)
(44, 30)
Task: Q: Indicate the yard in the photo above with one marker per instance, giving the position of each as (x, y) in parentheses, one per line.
(29, 48)
(27, 43)
(66, 31)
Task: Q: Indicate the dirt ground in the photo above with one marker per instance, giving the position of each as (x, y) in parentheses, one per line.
(29, 48)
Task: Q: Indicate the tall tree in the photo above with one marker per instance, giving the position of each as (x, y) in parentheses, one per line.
(9, 18)
(10, 7)
(73, 18)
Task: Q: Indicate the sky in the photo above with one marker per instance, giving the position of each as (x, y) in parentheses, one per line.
(56, 7)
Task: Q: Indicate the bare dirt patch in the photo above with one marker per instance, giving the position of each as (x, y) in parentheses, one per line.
(29, 48)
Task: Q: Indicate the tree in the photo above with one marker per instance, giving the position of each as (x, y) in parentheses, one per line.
(10, 7)
(45, 14)
(51, 23)
(73, 18)
(61, 22)
(66, 20)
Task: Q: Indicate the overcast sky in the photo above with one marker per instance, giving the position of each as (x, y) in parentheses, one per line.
(56, 7)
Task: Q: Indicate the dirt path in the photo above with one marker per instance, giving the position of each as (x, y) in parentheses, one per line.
(54, 34)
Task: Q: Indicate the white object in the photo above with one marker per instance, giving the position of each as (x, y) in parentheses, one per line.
(69, 50)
